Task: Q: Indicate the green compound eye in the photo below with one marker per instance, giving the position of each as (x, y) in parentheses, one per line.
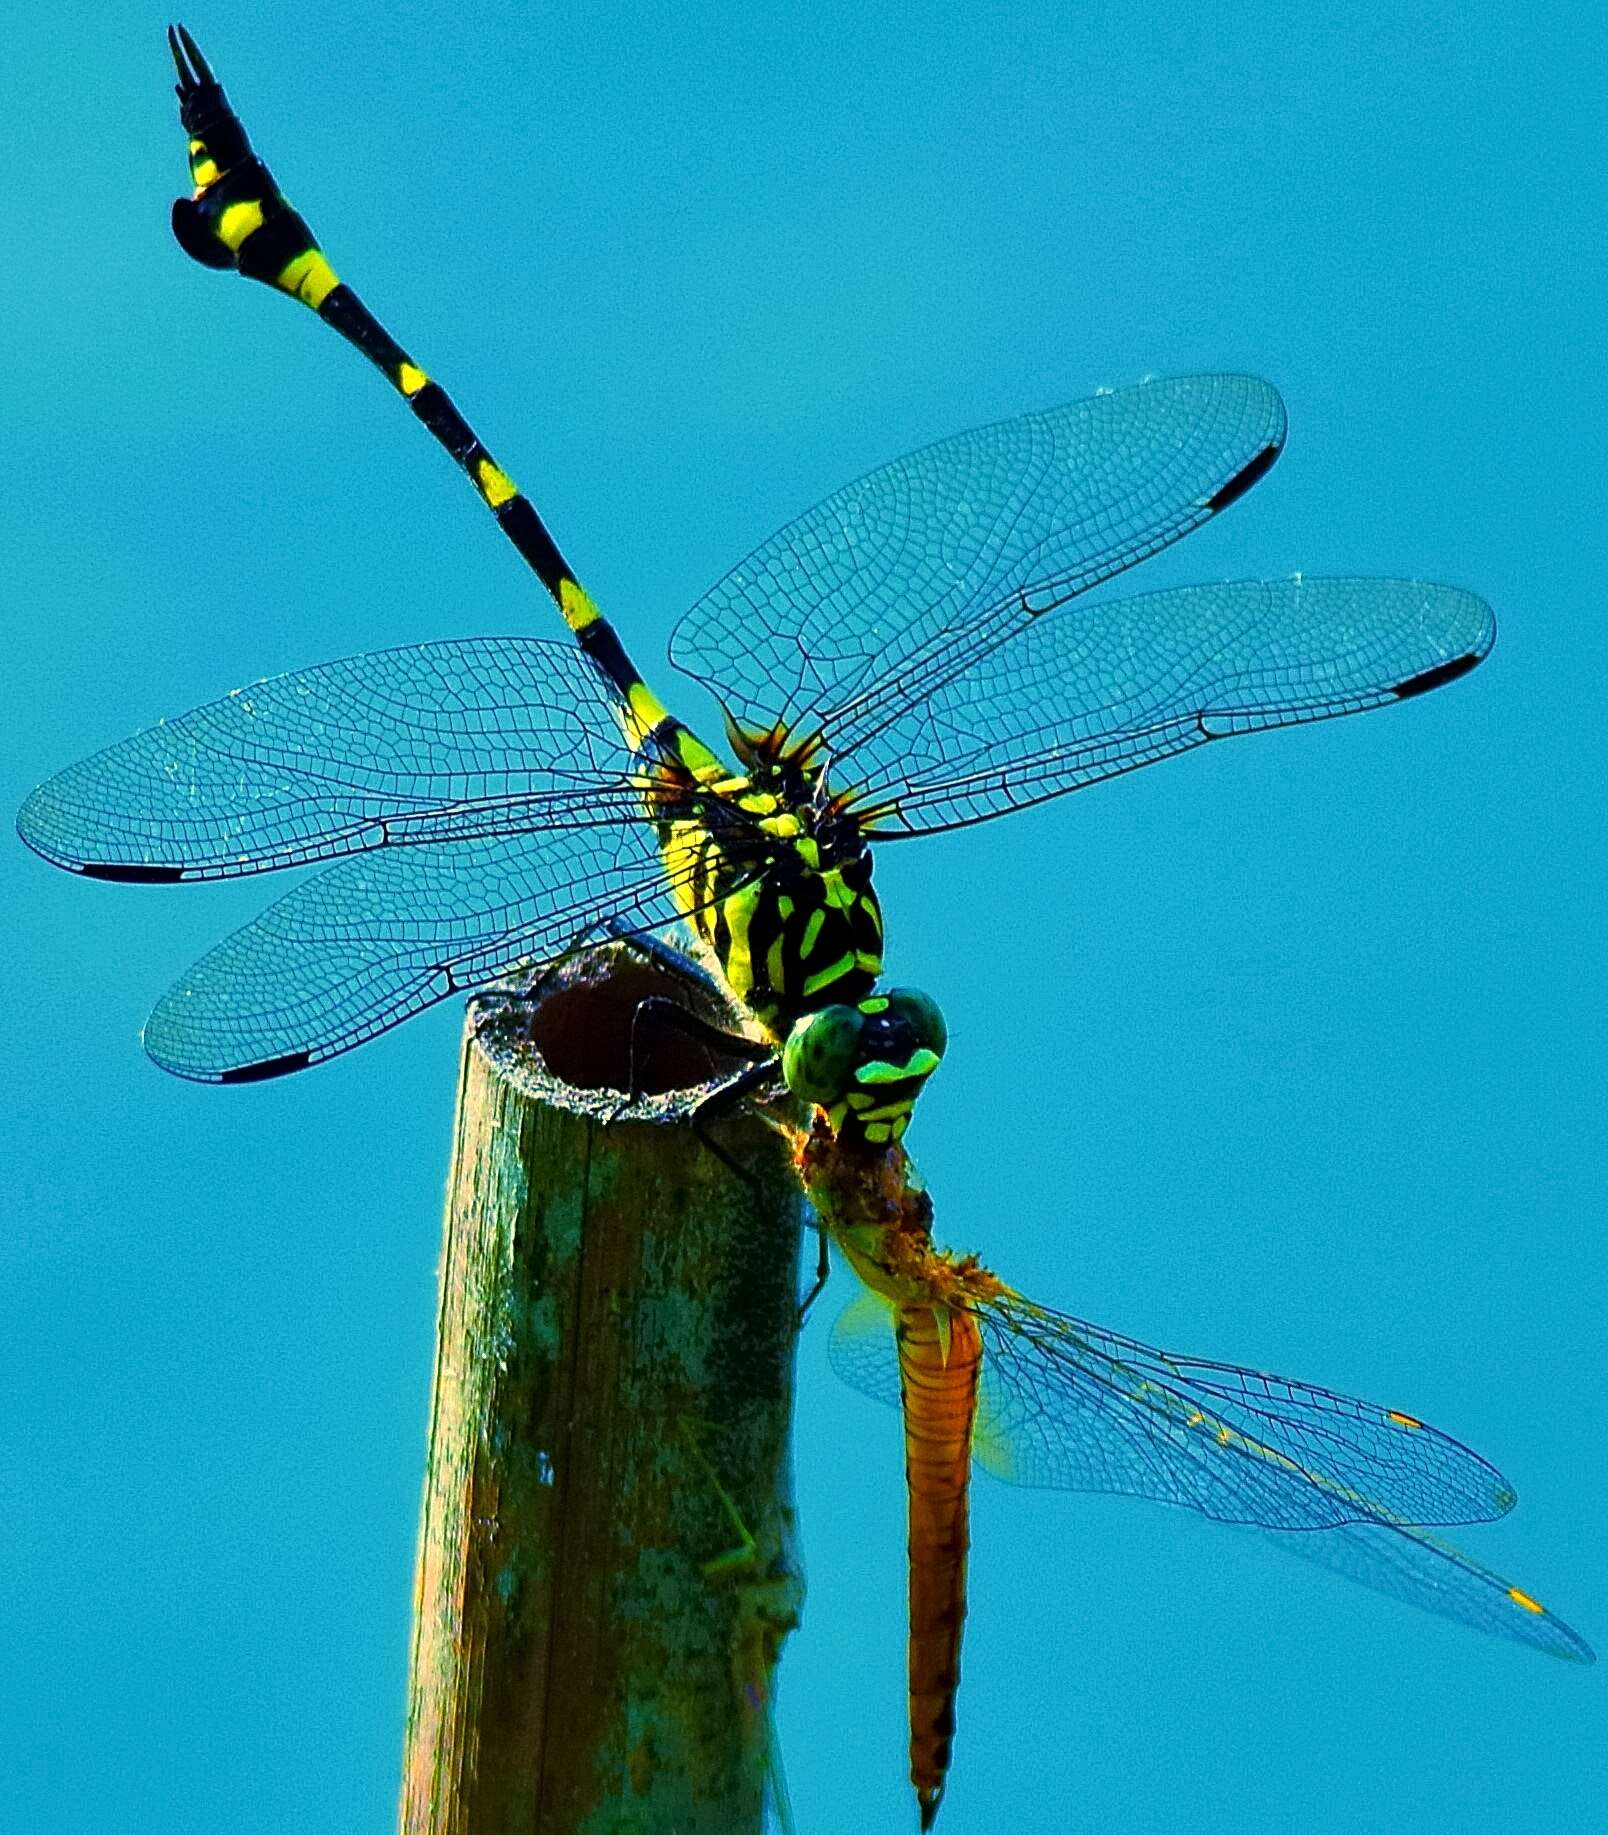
(821, 1053)
(915, 1010)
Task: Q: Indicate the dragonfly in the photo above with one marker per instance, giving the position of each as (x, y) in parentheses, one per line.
(912, 655)
(1039, 1398)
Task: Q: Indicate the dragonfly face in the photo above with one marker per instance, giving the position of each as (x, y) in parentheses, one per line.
(865, 1065)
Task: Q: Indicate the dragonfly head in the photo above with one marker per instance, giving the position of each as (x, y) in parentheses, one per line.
(866, 1064)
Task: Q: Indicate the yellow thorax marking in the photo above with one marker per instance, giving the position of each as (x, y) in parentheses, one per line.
(776, 962)
(839, 896)
(739, 912)
(826, 976)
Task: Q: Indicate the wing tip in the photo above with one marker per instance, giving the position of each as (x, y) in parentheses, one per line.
(267, 1068)
(116, 872)
(123, 873)
(1245, 477)
(1438, 675)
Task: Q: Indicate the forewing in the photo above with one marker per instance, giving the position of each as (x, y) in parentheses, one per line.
(473, 738)
(1092, 691)
(899, 582)
(1422, 1570)
(1067, 1405)
(372, 940)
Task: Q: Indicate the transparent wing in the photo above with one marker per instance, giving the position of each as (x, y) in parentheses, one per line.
(438, 742)
(1066, 1405)
(863, 1351)
(372, 940)
(1421, 1570)
(896, 584)
(1092, 691)
(1101, 1413)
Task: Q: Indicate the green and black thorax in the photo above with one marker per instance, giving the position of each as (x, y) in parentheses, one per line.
(776, 874)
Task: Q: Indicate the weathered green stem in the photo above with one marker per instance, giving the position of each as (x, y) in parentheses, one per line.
(606, 1570)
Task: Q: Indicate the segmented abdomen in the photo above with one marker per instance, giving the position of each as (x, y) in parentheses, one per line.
(939, 1384)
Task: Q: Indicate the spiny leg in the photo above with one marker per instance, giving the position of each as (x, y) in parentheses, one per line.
(823, 1271)
(659, 1010)
(763, 1070)
(663, 954)
(721, 1102)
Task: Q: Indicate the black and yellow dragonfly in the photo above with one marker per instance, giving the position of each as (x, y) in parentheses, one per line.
(912, 655)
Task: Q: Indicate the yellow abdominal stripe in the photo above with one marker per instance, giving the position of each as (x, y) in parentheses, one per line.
(309, 278)
(236, 222)
(647, 710)
(203, 167)
(575, 602)
(498, 488)
(410, 379)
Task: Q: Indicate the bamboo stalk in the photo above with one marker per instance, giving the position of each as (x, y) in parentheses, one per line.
(594, 1640)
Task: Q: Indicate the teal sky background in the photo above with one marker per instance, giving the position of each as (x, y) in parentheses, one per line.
(1291, 1053)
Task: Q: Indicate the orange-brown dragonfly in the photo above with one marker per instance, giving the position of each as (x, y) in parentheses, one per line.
(1040, 1398)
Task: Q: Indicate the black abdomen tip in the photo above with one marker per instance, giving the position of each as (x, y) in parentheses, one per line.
(193, 233)
(1434, 678)
(1242, 480)
(269, 1067)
